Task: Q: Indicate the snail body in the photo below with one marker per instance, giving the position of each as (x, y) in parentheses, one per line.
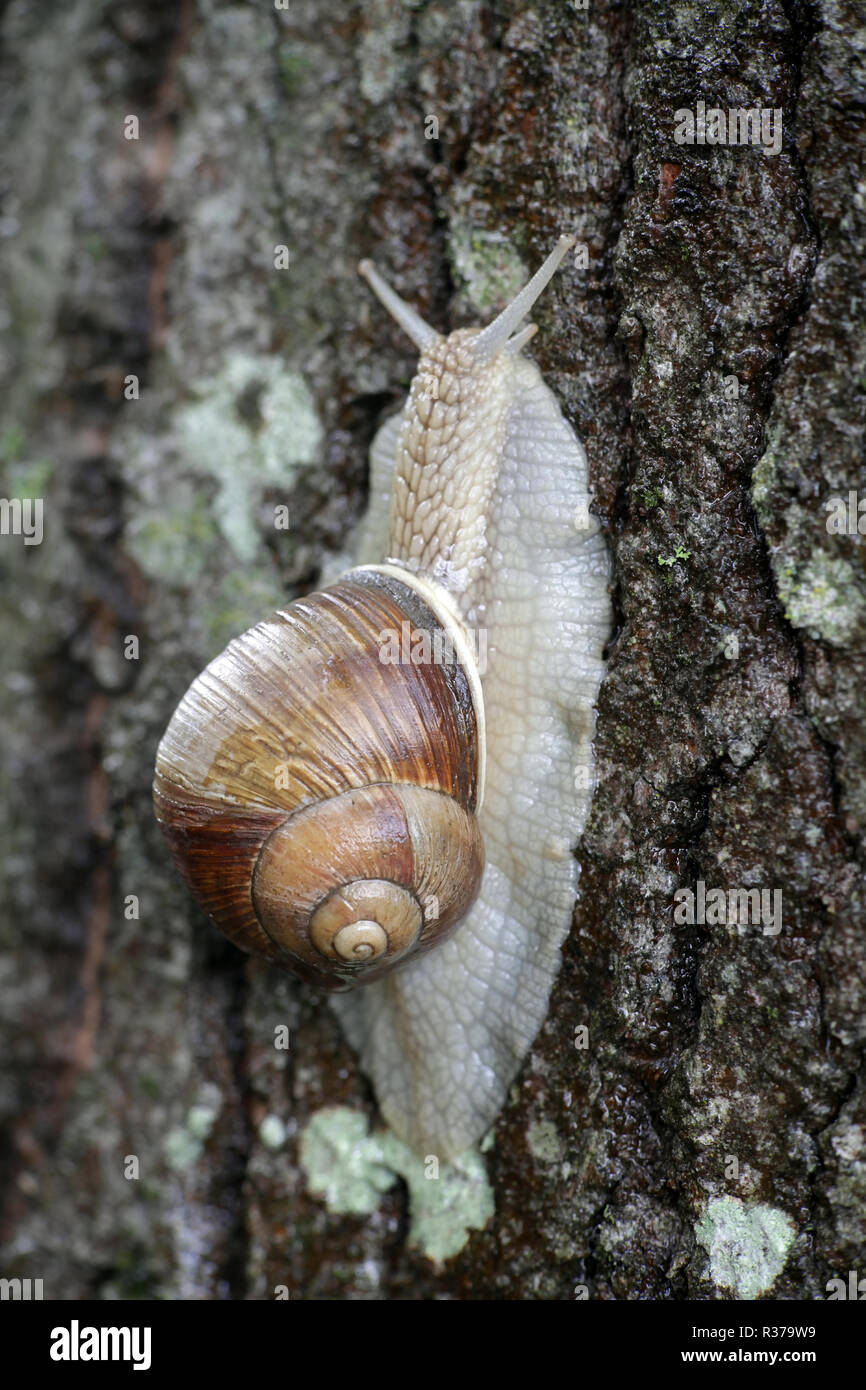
(369, 812)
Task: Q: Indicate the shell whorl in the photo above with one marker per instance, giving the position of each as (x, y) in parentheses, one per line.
(319, 801)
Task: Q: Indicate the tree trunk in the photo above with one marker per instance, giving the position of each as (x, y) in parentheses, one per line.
(167, 381)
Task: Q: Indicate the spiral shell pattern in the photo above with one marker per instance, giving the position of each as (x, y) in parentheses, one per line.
(319, 800)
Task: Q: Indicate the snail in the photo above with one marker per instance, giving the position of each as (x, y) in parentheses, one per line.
(381, 786)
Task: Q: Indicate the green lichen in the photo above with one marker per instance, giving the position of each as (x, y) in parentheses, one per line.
(823, 597)
(679, 554)
(183, 1146)
(747, 1246)
(293, 68)
(350, 1169)
(342, 1163)
(200, 1120)
(11, 443)
(382, 55)
(763, 484)
(544, 1142)
(251, 426)
(28, 478)
(21, 476)
(95, 246)
(272, 1132)
(486, 265)
(172, 544)
(181, 1149)
(149, 1086)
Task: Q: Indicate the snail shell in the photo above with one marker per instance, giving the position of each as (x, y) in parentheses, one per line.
(321, 803)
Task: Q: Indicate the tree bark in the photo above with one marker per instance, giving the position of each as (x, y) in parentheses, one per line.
(166, 384)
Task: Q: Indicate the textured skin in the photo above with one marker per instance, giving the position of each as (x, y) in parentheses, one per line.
(485, 489)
